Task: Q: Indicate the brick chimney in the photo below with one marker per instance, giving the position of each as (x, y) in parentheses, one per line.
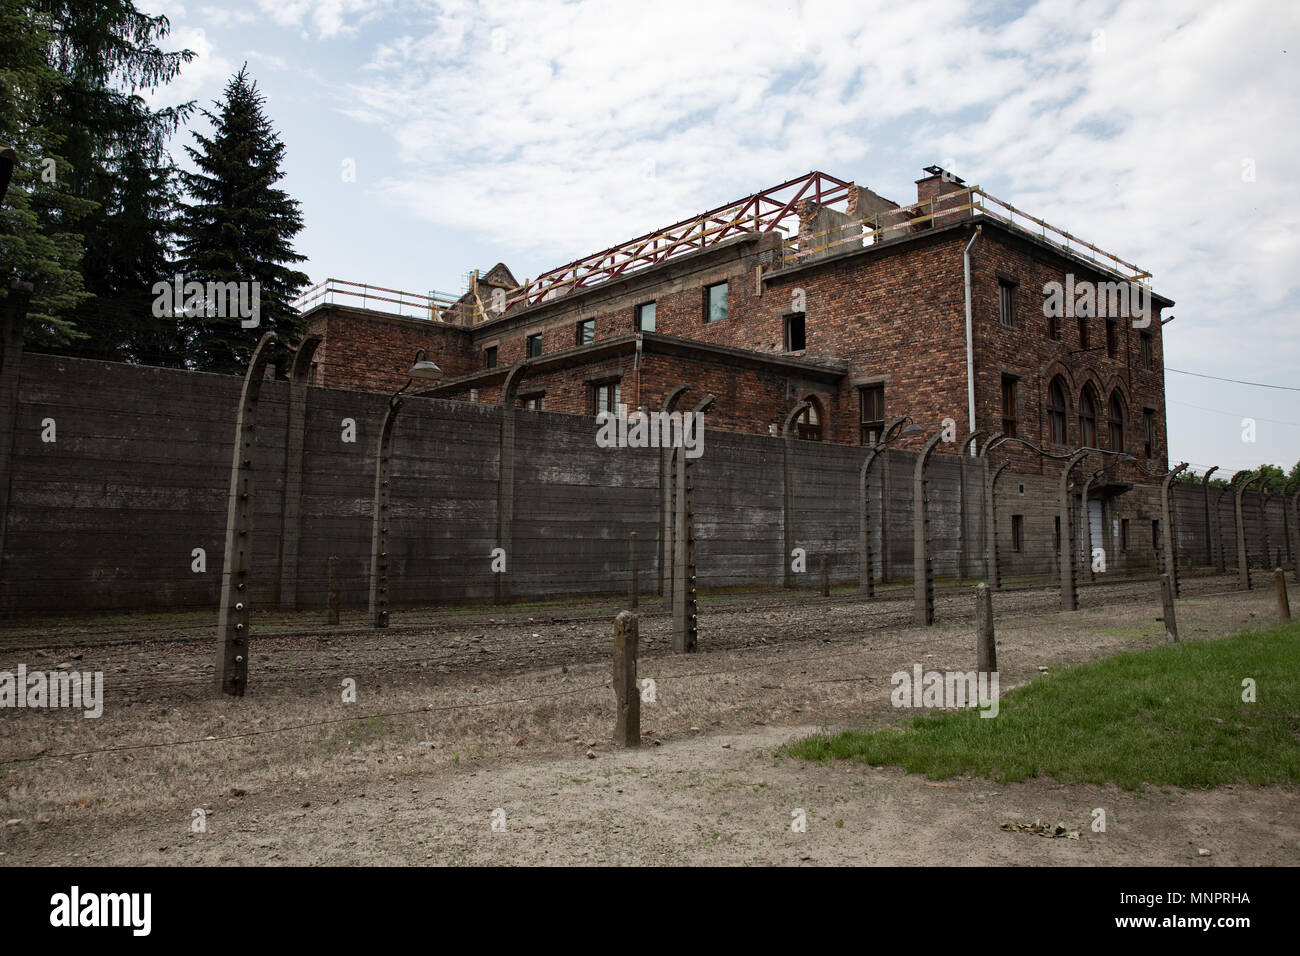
(939, 187)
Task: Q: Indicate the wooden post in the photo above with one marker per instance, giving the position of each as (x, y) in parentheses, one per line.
(1167, 597)
(986, 645)
(633, 584)
(236, 566)
(1283, 605)
(332, 593)
(627, 721)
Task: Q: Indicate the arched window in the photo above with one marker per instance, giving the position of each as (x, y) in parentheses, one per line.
(1088, 417)
(1116, 421)
(1057, 409)
(808, 425)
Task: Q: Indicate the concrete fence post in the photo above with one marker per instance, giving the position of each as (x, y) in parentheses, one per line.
(983, 455)
(1068, 559)
(633, 584)
(922, 570)
(986, 643)
(1283, 603)
(1085, 516)
(378, 604)
(665, 545)
(1167, 599)
(1239, 482)
(1295, 524)
(506, 479)
(1209, 534)
(685, 620)
(332, 592)
(866, 578)
(991, 528)
(236, 566)
(627, 720)
(286, 572)
(1167, 514)
(826, 577)
(1221, 552)
(963, 456)
(787, 469)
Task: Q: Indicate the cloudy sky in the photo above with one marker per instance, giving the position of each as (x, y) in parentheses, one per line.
(536, 132)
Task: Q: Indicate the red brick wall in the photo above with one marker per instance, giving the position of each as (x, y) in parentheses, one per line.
(372, 353)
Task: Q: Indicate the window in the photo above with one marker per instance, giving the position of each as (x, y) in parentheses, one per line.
(536, 401)
(1053, 323)
(1088, 418)
(1123, 535)
(1148, 432)
(871, 400)
(794, 332)
(586, 332)
(1145, 342)
(1116, 421)
(1007, 302)
(715, 302)
(1009, 383)
(808, 425)
(1057, 408)
(1017, 532)
(645, 317)
(1112, 338)
(1083, 332)
(534, 343)
(605, 397)
(490, 356)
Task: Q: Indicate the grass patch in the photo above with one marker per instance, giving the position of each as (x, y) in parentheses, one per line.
(1170, 715)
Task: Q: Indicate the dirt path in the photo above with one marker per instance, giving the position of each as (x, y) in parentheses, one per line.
(422, 787)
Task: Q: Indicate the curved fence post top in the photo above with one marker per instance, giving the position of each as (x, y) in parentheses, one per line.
(1172, 474)
(511, 383)
(984, 448)
(926, 451)
(704, 404)
(791, 415)
(997, 473)
(1205, 478)
(966, 442)
(302, 359)
(675, 396)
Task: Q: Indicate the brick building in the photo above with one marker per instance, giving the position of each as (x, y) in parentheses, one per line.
(817, 290)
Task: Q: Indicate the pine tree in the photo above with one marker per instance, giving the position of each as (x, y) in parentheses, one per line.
(239, 228)
(36, 243)
(115, 198)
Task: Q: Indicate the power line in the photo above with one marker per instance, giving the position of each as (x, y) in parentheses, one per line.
(1235, 381)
